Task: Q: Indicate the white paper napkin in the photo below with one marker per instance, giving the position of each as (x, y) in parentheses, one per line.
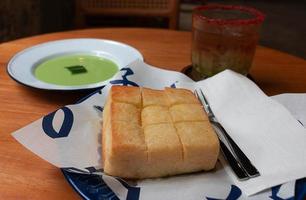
(267, 133)
(295, 103)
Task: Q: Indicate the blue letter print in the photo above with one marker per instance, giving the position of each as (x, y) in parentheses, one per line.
(124, 80)
(274, 195)
(47, 124)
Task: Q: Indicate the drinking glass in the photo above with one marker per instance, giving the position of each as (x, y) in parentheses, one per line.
(224, 37)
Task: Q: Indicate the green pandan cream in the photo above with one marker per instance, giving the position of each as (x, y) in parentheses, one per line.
(74, 70)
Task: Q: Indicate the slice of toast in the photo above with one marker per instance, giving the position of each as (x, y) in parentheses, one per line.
(154, 133)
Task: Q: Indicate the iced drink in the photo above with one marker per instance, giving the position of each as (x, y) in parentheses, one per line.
(224, 37)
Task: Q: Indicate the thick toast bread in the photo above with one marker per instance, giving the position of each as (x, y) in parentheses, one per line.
(154, 133)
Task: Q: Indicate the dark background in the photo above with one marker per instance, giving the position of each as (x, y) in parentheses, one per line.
(284, 28)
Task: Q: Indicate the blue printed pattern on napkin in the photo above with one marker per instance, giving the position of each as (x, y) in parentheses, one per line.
(124, 81)
(94, 187)
(47, 124)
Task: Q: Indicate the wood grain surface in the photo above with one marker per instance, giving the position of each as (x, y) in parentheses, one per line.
(24, 175)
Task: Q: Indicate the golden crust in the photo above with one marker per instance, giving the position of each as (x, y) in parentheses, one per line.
(154, 97)
(152, 133)
(126, 94)
(128, 151)
(164, 149)
(127, 136)
(155, 115)
(125, 112)
(200, 145)
(180, 96)
(187, 112)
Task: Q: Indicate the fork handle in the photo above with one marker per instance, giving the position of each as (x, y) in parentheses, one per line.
(233, 163)
(241, 157)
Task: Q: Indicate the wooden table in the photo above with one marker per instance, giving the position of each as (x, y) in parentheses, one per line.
(23, 175)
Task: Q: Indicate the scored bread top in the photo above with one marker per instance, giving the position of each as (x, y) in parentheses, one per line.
(129, 95)
(154, 133)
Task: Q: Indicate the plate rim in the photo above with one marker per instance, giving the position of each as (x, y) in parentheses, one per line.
(73, 185)
(60, 87)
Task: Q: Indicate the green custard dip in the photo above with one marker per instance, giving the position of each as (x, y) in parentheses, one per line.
(75, 70)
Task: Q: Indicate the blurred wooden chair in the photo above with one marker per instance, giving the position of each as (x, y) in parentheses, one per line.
(168, 9)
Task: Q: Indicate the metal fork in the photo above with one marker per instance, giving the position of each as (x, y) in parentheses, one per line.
(240, 164)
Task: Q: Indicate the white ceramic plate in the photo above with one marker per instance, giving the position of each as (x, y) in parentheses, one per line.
(21, 67)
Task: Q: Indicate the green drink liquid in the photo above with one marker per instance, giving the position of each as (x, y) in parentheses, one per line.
(74, 70)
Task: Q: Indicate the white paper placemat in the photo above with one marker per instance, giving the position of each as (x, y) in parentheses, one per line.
(269, 135)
